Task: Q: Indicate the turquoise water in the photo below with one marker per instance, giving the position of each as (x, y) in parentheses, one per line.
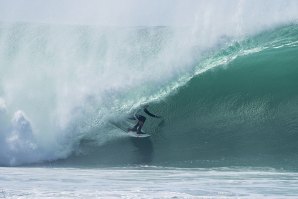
(241, 112)
(231, 103)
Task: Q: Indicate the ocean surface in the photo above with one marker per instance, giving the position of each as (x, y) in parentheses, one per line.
(147, 182)
(228, 97)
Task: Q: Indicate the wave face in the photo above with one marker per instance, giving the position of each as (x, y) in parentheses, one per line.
(244, 112)
(226, 91)
(241, 112)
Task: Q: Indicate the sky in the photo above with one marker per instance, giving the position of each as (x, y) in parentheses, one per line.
(108, 12)
(141, 12)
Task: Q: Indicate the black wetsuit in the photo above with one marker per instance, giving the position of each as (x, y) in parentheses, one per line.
(141, 119)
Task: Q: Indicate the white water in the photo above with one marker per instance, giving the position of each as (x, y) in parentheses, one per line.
(147, 183)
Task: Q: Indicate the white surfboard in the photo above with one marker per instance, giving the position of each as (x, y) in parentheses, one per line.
(135, 134)
(130, 133)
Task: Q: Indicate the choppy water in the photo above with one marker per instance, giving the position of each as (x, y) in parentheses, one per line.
(147, 182)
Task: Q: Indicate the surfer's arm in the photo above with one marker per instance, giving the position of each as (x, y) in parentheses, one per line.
(151, 114)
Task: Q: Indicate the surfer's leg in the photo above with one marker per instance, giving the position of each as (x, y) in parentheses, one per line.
(140, 127)
(142, 120)
(135, 127)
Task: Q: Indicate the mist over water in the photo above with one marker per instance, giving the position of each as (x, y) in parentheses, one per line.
(63, 78)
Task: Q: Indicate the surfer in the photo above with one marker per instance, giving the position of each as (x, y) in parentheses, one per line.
(141, 119)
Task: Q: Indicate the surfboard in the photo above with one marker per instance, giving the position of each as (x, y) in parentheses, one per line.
(140, 135)
(125, 128)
